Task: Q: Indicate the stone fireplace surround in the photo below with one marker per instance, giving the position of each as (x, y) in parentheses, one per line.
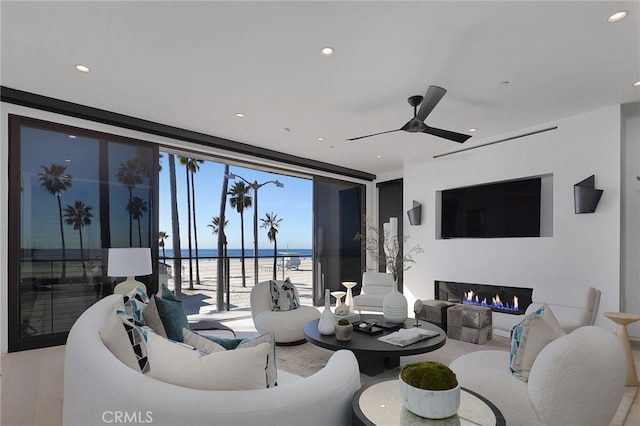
(505, 314)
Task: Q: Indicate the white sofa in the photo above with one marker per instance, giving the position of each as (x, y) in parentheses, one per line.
(98, 388)
(287, 326)
(573, 307)
(375, 286)
(577, 379)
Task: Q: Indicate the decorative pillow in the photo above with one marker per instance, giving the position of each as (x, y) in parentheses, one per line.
(241, 369)
(211, 344)
(284, 295)
(528, 338)
(127, 342)
(151, 317)
(166, 317)
(132, 305)
(167, 294)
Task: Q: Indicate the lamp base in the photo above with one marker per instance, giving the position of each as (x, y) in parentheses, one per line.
(125, 287)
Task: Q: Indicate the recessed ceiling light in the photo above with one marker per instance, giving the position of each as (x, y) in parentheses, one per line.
(72, 136)
(378, 156)
(83, 68)
(320, 139)
(618, 16)
(473, 129)
(239, 114)
(504, 83)
(327, 51)
(636, 84)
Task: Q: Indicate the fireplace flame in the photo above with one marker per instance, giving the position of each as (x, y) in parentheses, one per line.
(470, 297)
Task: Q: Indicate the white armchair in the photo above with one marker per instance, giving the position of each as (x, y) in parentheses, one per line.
(287, 326)
(573, 306)
(577, 379)
(375, 286)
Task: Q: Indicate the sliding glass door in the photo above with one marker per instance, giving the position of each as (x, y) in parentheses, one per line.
(338, 214)
(73, 194)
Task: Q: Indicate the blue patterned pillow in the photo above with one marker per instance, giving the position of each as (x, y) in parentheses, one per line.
(528, 338)
(133, 304)
(284, 295)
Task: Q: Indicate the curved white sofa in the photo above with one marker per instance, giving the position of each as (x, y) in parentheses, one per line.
(287, 326)
(98, 388)
(577, 379)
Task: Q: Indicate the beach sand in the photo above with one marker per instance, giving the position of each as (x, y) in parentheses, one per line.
(202, 298)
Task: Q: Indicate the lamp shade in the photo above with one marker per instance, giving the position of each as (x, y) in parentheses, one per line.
(129, 262)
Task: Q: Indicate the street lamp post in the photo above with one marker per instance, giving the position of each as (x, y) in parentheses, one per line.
(255, 186)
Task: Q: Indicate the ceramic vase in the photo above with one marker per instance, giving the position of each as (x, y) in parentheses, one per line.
(429, 403)
(394, 306)
(327, 322)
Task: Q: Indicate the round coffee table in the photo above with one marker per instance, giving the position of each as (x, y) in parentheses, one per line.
(373, 355)
(380, 404)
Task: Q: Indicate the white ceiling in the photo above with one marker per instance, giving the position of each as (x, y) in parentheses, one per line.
(195, 64)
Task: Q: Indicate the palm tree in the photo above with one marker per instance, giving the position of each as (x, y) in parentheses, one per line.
(240, 200)
(161, 237)
(194, 166)
(56, 181)
(175, 227)
(221, 223)
(130, 174)
(271, 223)
(136, 208)
(191, 166)
(215, 226)
(216, 229)
(79, 216)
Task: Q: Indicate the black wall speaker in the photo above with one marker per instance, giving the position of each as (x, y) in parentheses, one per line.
(585, 196)
(415, 214)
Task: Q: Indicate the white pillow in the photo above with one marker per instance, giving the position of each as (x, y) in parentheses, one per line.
(204, 344)
(528, 338)
(179, 364)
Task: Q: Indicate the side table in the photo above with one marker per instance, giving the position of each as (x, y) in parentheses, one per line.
(622, 319)
(380, 404)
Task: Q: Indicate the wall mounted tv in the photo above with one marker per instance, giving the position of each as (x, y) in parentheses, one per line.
(496, 210)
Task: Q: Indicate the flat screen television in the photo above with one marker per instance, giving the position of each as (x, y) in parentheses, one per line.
(495, 210)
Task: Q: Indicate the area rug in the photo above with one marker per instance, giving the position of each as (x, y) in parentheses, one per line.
(306, 359)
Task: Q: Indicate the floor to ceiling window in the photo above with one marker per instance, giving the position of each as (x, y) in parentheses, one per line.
(73, 194)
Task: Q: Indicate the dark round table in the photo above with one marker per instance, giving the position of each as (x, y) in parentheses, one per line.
(373, 355)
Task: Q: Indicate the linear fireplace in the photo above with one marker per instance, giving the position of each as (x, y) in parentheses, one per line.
(509, 300)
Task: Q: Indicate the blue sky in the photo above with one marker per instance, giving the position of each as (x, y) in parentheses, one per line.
(293, 204)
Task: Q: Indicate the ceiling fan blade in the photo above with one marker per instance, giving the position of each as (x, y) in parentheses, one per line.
(374, 134)
(447, 134)
(431, 99)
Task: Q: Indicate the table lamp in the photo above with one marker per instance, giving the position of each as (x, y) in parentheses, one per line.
(129, 262)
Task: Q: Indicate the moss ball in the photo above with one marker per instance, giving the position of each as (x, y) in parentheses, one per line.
(429, 375)
(343, 321)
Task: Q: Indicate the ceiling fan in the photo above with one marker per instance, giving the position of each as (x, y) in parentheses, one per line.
(417, 125)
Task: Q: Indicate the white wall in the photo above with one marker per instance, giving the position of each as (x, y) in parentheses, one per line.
(584, 249)
(630, 289)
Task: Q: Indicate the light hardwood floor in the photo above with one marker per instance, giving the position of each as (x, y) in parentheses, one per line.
(32, 388)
